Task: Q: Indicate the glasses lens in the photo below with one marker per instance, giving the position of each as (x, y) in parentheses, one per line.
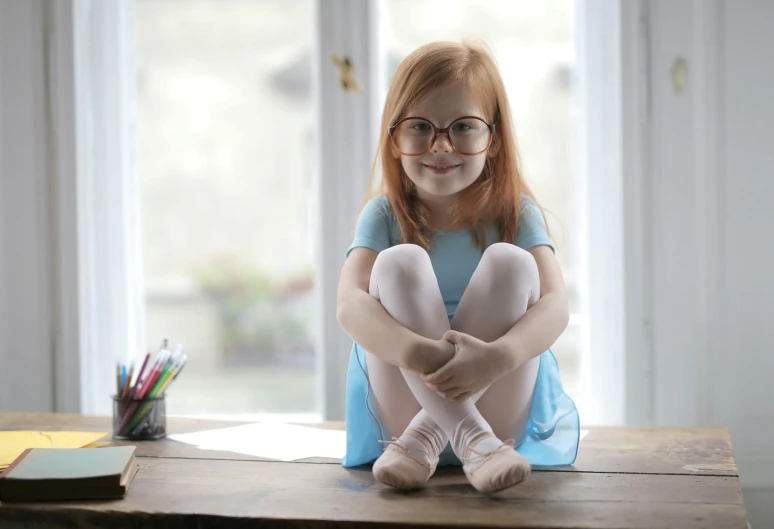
(413, 136)
(469, 135)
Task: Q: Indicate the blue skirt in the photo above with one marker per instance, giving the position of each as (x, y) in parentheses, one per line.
(550, 438)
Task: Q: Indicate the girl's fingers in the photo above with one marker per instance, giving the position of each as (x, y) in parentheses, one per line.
(452, 393)
(463, 397)
(442, 375)
(446, 386)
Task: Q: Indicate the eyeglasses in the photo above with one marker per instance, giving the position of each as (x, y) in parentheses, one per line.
(468, 135)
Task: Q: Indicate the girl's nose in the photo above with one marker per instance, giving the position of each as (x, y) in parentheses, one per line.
(441, 144)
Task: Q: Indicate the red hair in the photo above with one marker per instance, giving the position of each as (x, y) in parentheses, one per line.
(495, 197)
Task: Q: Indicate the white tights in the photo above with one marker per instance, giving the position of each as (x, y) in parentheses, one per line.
(505, 284)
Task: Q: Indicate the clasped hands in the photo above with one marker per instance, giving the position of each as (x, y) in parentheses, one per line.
(474, 365)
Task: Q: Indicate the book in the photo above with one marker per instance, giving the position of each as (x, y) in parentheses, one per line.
(51, 474)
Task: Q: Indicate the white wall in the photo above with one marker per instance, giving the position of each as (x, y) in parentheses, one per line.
(712, 174)
(26, 338)
(743, 364)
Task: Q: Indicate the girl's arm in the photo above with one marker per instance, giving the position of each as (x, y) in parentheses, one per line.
(367, 322)
(542, 324)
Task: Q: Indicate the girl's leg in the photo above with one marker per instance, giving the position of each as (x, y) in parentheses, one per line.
(403, 280)
(505, 284)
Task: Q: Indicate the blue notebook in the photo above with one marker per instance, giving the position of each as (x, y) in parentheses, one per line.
(47, 474)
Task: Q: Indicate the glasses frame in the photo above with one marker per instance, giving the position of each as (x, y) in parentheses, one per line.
(437, 130)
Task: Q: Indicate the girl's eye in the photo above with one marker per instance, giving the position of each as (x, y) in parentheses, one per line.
(421, 127)
(462, 127)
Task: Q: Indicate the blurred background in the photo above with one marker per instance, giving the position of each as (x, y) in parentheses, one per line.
(226, 161)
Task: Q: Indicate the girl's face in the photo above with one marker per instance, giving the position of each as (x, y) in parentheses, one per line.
(442, 172)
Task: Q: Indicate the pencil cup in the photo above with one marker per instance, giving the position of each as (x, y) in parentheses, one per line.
(140, 419)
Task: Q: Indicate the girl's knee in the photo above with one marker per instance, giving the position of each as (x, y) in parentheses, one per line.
(404, 263)
(508, 260)
(404, 253)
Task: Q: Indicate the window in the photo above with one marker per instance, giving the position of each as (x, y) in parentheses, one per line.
(581, 58)
(226, 154)
(226, 158)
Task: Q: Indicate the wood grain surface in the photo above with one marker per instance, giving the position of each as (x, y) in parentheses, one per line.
(624, 477)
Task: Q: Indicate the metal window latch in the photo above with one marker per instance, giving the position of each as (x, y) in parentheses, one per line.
(679, 75)
(346, 73)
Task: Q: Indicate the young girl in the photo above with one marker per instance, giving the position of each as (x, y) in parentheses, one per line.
(451, 290)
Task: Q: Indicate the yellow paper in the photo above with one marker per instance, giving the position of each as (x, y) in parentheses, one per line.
(96, 445)
(12, 444)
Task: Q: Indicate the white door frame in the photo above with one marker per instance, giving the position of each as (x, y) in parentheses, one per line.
(687, 154)
(347, 129)
(613, 90)
(635, 107)
(99, 294)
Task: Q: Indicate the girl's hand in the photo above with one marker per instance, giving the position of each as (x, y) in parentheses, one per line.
(427, 355)
(474, 366)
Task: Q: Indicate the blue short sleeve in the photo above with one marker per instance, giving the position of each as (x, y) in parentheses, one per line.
(532, 227)
(373, 226)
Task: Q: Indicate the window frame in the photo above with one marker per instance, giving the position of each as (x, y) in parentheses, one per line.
(99, 317)
(98, 222)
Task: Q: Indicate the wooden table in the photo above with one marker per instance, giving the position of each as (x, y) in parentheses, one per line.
(623, 477)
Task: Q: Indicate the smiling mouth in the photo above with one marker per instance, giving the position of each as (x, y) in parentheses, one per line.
(441, 167)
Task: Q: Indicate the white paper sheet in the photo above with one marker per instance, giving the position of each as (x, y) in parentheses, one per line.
(283, 442)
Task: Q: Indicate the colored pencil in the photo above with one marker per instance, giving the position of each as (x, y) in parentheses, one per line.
(161, 355)
(159, 389)
(139, 375)
(153, 378)
(170, 370)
